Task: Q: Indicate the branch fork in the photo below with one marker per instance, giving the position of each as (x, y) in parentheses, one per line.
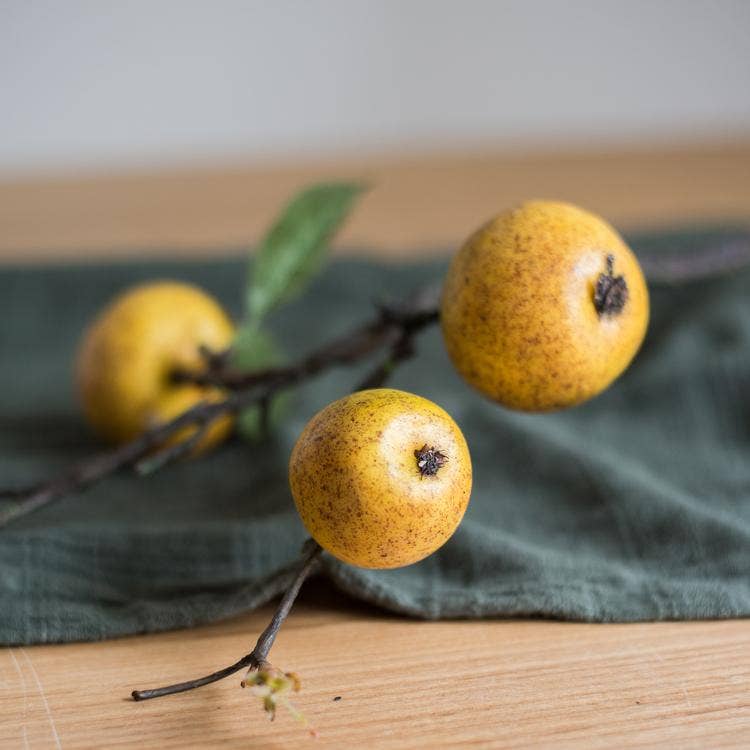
(394, 329)
(258, 658)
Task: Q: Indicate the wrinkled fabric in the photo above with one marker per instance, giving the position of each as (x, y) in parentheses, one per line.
(634, 506)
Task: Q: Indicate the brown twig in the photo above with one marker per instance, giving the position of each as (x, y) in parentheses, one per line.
(402, 349)
(171, 452)
(91, 470)
(259, 655)
(393, 327)
(387, 329)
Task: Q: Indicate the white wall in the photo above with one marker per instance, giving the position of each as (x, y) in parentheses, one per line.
(133, 82)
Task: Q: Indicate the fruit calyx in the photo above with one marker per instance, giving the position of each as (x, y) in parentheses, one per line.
(429, 460)
(611, 292)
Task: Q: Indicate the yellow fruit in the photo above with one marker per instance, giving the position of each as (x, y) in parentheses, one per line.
(129, 354)
(178, 401)
(543, 307)
(381, 478)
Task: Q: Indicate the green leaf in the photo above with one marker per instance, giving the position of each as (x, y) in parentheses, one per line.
(256, 349)
(293, 250)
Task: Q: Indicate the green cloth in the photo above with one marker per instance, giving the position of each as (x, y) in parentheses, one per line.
(634, 506)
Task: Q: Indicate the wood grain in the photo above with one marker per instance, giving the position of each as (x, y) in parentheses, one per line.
(403, 683)
(416, 205)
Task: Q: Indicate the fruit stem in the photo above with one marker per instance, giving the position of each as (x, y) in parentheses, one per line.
(306, 564)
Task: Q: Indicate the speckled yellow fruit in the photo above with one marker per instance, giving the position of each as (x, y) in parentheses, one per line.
(358, 485)
(518, 309)
(128, 355)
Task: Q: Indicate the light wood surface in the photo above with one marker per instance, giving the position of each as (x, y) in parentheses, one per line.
(402, 683)
(416, 205)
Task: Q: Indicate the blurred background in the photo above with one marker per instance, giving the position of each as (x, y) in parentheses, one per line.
(104, 84)
(227, 106)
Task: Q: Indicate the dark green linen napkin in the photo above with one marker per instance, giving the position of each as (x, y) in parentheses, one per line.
(634, 506)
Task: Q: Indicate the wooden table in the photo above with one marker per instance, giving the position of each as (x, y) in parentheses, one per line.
(400, 683)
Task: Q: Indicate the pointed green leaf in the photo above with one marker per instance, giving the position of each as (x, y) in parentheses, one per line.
(293, 250)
